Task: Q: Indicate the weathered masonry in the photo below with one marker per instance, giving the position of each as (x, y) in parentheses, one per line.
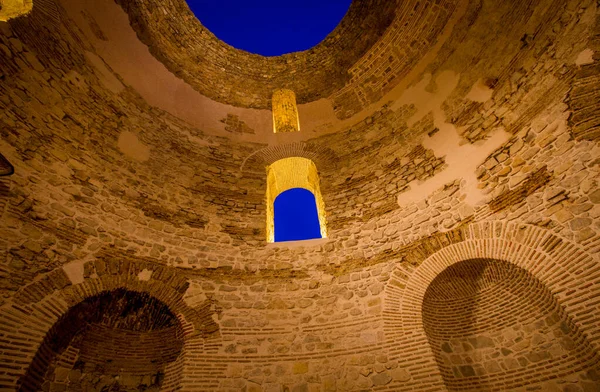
(453, 149)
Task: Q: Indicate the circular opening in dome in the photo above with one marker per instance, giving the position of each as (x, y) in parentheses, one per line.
(270, 27)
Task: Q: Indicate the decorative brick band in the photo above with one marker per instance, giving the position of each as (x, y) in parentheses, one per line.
(321, 155)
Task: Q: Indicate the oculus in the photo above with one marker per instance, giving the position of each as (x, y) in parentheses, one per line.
(270, 27)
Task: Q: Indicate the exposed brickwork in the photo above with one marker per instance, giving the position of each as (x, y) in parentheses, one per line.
(213, 67)
(514, 196)
(111, 338)
(583, 98)
(493, 326)
(530, 251)
(459, 143)
(235, 125)
(394, 55)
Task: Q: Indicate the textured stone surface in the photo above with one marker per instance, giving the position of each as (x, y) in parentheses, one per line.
(10, 9)
(114, 191)
(476, 348)
(229, 75)
(285, 111)
(290, 173)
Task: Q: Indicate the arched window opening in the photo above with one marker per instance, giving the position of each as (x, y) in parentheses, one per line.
(296, 216)
(300, 176)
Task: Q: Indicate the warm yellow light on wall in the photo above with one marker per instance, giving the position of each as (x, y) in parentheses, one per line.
(289, 173)
(13, 8)
(285, 112)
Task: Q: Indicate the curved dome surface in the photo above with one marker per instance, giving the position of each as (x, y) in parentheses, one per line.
(439, 131)
(235, 77)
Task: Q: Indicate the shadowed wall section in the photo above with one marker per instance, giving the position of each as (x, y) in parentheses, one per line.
(493, 326)
(118, 340)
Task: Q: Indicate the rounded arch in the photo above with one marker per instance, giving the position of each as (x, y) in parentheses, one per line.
(493, 326)
(37, 307)
(321, 155)
(289, 173)
(117, 338)
(568, 271)
(558, 263)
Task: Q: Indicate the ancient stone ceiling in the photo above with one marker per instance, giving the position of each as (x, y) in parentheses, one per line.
(161, 50)
(351, 52)
(178, 39)
(465, 130)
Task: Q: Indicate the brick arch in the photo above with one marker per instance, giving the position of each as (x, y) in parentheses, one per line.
(483, 316)
(566, 269)
(106, 332)
(322, 156)
(166, 284)
(38, 306)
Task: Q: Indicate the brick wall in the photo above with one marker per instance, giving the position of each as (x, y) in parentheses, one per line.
(115, 338)
(115, 191)
(493, 326)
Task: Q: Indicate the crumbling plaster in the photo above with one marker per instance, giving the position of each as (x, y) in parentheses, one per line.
(483, 145)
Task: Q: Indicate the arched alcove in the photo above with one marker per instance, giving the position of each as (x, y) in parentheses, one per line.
(494, 326)
(118, 340)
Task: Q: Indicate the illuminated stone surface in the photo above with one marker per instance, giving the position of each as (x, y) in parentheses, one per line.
(289, 173)
(285, 112)
(455, 132)
(10, 9)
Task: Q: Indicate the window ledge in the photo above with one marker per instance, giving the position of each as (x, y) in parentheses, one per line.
(296, 244)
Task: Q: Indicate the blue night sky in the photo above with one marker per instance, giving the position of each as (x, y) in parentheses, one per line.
(270, 27)
(296, 216)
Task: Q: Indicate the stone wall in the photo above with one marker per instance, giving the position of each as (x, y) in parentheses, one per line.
(121, 340)
(493, 326)
(478, 147)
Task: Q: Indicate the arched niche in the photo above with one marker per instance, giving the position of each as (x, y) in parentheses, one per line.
(289, 173)
(115, 340)
(568, 270)
(493, 326)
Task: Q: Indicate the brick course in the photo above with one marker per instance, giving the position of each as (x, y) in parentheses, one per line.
(115, 190)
